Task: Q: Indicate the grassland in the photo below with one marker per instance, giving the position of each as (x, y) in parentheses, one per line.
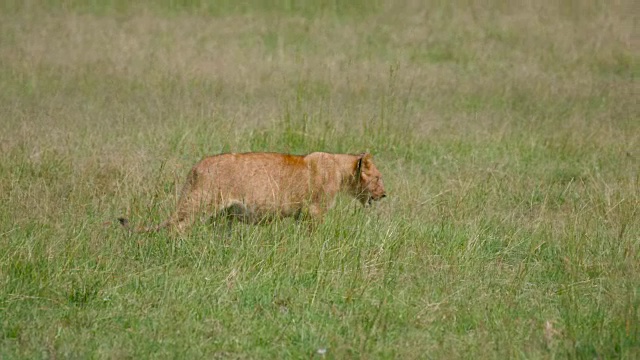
(508, 134)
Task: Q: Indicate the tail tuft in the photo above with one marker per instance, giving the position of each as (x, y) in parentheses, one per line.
(124, 222)
(127, 226)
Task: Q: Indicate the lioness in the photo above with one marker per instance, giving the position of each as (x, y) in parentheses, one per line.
(265, 185)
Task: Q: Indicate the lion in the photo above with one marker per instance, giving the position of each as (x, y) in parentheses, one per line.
(258, 186)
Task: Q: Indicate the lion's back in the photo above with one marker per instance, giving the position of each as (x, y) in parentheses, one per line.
(261, 179)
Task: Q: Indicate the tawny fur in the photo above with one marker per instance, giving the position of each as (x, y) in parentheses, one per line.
(259, 186)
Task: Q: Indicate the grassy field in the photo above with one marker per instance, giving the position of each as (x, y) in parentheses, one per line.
(508, 134)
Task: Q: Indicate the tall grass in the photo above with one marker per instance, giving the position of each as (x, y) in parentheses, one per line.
(507, 134)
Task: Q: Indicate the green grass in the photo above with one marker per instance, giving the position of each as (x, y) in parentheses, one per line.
(508, 135)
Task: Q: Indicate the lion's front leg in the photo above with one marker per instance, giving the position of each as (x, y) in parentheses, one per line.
(313, 216)
(316, 212)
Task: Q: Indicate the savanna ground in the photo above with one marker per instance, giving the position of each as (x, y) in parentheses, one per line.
(508, 134)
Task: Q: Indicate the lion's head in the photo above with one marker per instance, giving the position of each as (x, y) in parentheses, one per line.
(369, 185)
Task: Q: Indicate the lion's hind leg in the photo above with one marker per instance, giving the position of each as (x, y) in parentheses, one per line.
(192, 205)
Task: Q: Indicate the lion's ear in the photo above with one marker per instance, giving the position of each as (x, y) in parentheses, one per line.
(363, 158)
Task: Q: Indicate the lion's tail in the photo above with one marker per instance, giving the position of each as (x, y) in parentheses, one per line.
(125, 223)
